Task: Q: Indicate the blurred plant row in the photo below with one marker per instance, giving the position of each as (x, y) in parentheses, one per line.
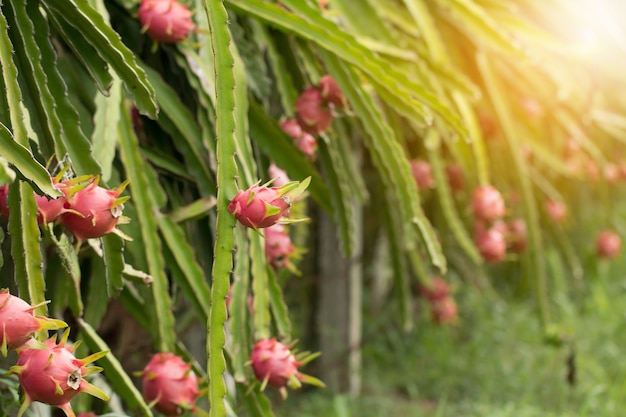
(168, 147)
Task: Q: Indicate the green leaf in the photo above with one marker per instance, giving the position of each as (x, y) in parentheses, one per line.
(96, 67)
(260, 285)
(115, 373)
(90, 24)
(25, 249)
(113, 257)
(278, 306)
(391, 83)
(341, 194)
(226, 174)
(240, 345)
(185, 257)
(389, 159)
(69, 258)
(106, 119)
(24, 161)
(145, 202)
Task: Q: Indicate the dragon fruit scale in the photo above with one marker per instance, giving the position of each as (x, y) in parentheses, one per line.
(261, 206)
(18, 321)
(166, 21)
(50, 373)
(92, 211)
(170, 385)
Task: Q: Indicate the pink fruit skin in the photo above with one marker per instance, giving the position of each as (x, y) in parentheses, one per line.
(17, 320)
(312, 111)
(4, 208)
(439, 289)
(44, 369)
(99, 210)
(49, 210)
(444, 310)
(331, 92)
(608, 244)
(250, 206)
(274, 362)
(422, 173)
(278, 246)
(304, 141)
(556, 210)
(491, 244)
(278, 175)
(169, 381)
(487, 203)
(291, 128)
(166, 21)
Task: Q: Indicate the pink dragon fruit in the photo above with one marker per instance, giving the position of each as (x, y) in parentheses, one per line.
(50, 373)
(18, 321)
(260, 206)
(4, 193)
(487, 203)
(491, 244)
(312, 111)
(422, 173)
(92, 211)
(443, 310)
(608, 244)
(170, 384)
(166, 21)
(279, 175)
(276, 365)
(303, 140)
(437, 290)
(331, 92)
(456, 180)
(556, 210)
(278, 246)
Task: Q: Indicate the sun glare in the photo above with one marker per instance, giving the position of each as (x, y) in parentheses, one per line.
(597, 24)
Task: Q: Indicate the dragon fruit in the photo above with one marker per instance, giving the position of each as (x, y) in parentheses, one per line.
(487, 203)
(170, 384)
(4, 193)
(491, 244)
(166, 21)
(92, 211)
(608, 244)
(276, 365)
(422, 173)
(312, 111)
(278, 246)
(456, 180)
(279, 175)
(331, 92)
(260, 206)
(444, 310)
(556, 210)
(303, 140)
(50, 373)
(18, 321)
(437, 290)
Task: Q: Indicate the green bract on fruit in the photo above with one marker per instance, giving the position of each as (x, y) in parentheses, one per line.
(169, 384)
(50, 373)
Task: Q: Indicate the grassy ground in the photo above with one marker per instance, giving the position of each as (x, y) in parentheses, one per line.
(494, 363)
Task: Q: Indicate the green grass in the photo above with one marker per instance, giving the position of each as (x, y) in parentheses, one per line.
(493, 363)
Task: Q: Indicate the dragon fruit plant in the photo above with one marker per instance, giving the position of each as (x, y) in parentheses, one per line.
(170, 385)
(276, 365)
(50, 373)
(261, 206)
(166, 21)
(18, 321)
(92, 211)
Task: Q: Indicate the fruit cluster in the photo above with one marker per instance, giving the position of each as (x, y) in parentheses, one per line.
(443, 308)
(48, 371)
(85, 209)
